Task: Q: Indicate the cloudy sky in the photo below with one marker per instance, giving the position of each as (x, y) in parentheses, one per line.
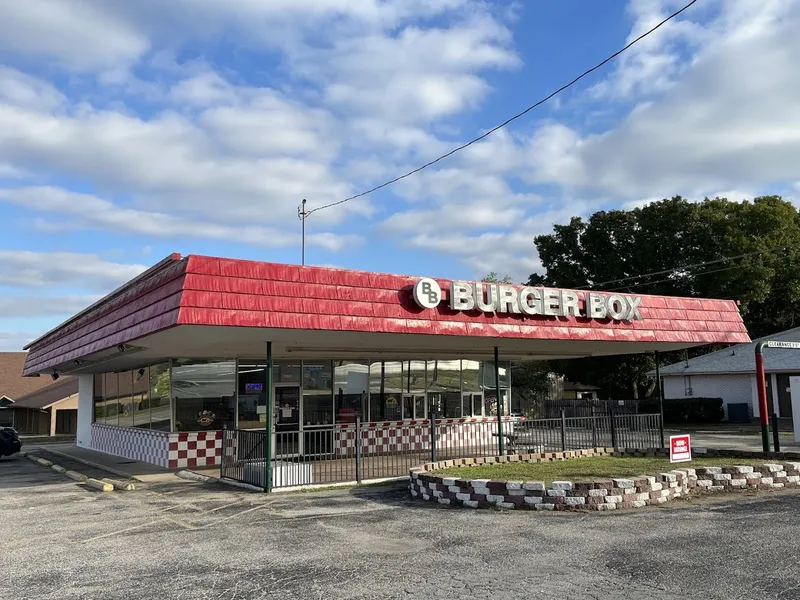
(131, 130)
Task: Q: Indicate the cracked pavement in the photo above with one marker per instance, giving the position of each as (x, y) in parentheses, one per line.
(190, 540)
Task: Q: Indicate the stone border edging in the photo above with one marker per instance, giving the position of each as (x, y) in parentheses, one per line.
(611, 494)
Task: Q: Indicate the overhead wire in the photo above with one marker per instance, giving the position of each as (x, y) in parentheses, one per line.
(724, 259)
(507, 121)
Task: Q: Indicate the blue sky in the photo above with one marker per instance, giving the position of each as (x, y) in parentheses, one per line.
(131, 130)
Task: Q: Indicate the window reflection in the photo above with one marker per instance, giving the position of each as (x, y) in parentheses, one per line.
(350, 385)
(252, 395)
(111, 399)
(317, 393)
(385, 391)
(203, 393)
(159, 392)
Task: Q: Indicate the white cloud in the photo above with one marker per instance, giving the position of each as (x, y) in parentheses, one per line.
(23, 306)
(91, 212)
(14, 341)
(80, 34)
(730, 121)
(413, 77)
(27, 269)
(20, 89)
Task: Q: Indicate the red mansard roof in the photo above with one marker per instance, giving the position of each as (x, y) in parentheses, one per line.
(199, 290)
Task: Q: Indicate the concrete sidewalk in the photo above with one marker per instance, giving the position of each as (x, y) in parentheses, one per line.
(117, 465)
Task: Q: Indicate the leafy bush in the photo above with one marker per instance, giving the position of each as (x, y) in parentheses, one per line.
(687, 410)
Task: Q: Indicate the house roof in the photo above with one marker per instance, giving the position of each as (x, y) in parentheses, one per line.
(574, 386)
(12, 384)
(47, 396)
(741, 358)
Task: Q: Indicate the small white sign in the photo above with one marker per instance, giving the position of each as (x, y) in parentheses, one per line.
(680, 448)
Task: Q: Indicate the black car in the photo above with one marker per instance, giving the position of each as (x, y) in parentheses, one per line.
(9, 441)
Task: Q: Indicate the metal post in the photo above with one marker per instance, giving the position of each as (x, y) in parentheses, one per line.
(612, 418)
(432, 419)
(500, 444)
(563, 431)
(358, 449)
(302, 214)
(594, 430)
(762, 396)
(660, 399)
(776, 443)
(270, 411)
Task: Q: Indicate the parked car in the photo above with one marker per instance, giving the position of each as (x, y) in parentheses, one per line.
(9, 441)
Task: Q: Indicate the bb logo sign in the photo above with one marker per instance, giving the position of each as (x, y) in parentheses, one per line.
(680, 448)
(427, 293)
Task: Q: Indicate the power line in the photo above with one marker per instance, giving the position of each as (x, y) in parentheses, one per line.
(669, 279)
(514, 118)
(682, 267)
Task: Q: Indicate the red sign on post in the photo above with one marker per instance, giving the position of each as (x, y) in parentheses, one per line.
(680, 448)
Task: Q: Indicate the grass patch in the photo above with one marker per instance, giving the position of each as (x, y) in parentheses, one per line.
(587, 469)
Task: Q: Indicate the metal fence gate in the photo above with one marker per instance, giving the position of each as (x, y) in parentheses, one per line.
(362, 452)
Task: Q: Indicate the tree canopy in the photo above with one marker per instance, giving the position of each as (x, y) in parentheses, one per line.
(748, 251)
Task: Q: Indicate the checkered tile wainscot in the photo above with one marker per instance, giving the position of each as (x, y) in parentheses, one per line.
(169, 450)
(397, 436)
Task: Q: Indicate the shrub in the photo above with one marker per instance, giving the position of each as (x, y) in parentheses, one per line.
(687, 410)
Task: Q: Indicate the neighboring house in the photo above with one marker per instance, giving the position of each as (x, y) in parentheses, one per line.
(730, 374)
(52, 410)
(13, 385)
(574, 390)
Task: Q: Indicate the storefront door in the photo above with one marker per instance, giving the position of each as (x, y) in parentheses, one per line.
(288, 441)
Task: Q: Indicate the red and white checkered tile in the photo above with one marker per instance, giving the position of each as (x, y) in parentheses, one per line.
(170, 450)
(195, 449)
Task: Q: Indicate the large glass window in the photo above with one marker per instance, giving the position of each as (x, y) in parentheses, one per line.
(385, 391)
(286, 371)
(317, 393)
(252, 395)
(444, 388)
(140, 397)
(160, 407)
(99, 400)
(350, 385)
(204, 393)
(111, 399)
(125, 383)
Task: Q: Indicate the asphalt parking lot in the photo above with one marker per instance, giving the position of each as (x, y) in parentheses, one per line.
(190, 540)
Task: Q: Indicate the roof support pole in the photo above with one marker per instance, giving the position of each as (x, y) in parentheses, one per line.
(270, 412)
(761, 386)
(500, 444)
(660, 387)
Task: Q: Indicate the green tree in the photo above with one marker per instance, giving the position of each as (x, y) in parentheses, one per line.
(611, 250)
(494, 278)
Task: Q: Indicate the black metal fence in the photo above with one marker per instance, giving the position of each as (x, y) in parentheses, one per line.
(587, 407)
(362, 452)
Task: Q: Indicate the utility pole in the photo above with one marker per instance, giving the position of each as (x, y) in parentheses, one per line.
(302, 214)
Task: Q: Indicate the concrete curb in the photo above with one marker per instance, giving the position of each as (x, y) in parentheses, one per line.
(100, 486)
(94, 465)
(192, 476)
(58, 469)
(244, 486)
(79, 477)
(119, 485)
(44, 462)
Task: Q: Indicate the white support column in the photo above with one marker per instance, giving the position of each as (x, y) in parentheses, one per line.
(794, 386)
(85, 410)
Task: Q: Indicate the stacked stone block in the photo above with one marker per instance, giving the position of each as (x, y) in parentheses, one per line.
(604, 495)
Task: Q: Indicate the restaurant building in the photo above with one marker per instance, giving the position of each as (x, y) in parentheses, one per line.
(197, 344)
